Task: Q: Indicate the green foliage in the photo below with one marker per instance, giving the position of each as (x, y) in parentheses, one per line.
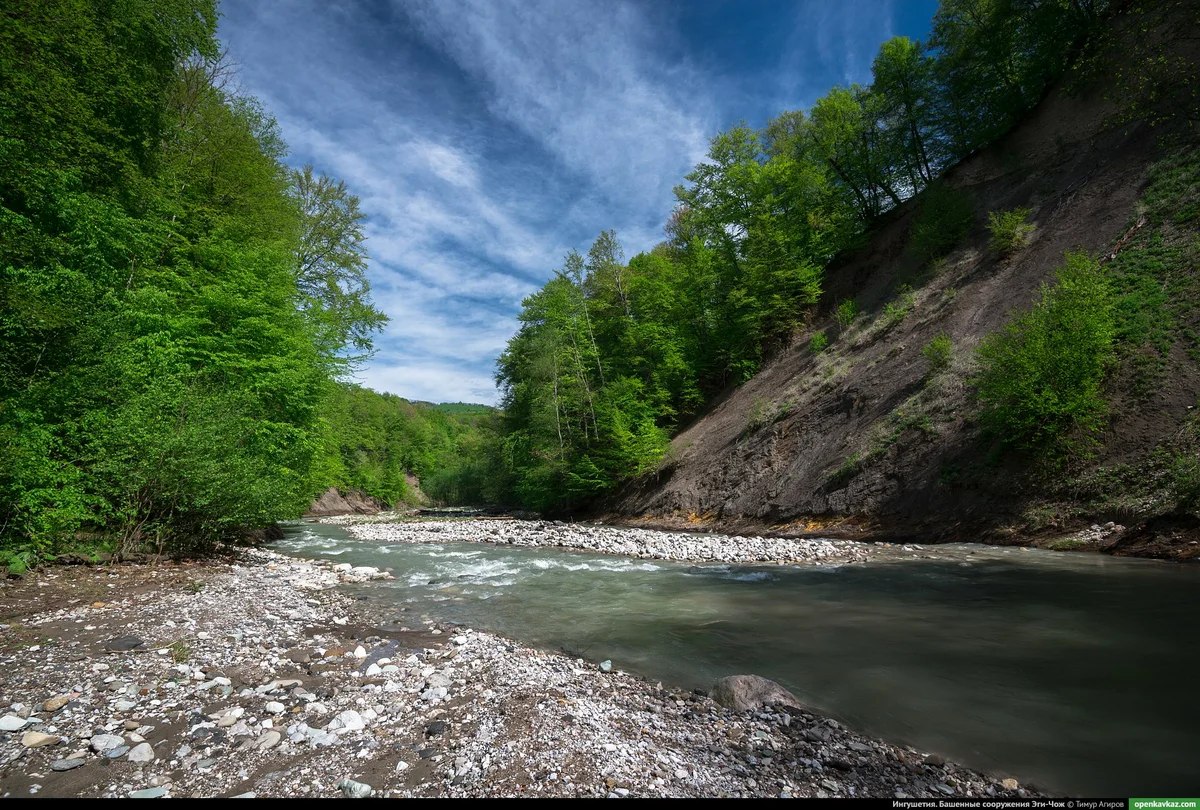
(164, 352)
(1153, 275)
(941, 223)
(180, 652)
(896, 310)
(1010, 230)
(379, 440)
(846, 312)
(938, 352)
(1040, 377)
(818, 342)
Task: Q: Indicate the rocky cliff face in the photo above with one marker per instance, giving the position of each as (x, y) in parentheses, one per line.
(352, 502)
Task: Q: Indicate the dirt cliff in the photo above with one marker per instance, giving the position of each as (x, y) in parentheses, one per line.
(865, 437)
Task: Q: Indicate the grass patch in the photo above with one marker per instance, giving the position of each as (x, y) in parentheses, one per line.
(938, 352)
(1010, 230)
(846, 312)
(180, 652)
(1067, 544)
(896, 310)
(818, 343)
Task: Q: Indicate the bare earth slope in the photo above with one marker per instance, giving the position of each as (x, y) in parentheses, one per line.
(862, 437)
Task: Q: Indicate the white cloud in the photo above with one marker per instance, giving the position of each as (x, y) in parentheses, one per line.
(431, 382)
(583, 81)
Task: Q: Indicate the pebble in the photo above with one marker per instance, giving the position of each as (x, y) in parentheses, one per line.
(355, 790)
(103, 742)
(268, 739)
(37, 739)
(66, 764)
(10, 723)
(606, 666)
(56, 703)
(149, 793)
(274, 707)
(141, 752)
(124, 643)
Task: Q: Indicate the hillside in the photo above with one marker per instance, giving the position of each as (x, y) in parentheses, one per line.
(870, 436)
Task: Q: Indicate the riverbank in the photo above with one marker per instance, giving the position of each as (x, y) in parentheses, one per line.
(260, 676)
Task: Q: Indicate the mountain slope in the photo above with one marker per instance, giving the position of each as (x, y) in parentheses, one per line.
(865, 436)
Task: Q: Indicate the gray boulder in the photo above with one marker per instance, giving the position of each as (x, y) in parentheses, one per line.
(744, 692)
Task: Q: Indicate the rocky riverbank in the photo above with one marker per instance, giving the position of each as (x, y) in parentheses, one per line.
(628, 542)
(259, 677)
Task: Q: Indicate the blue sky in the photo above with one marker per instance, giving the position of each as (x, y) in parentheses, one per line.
(486, 139)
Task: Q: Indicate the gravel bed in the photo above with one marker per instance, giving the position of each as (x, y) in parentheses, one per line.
(629, 542)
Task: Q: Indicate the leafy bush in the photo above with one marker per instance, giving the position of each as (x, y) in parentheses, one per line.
(1010, 230)
(938, 352)
(819, 342)
(1040, 377)
(944, 219)
(846, 312)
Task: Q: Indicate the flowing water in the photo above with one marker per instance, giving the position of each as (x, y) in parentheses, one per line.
(1076, 673)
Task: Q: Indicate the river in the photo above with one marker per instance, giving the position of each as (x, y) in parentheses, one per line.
(1076, 673)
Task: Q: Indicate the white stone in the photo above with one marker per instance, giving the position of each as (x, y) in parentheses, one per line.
(12, 723)
(141, 753)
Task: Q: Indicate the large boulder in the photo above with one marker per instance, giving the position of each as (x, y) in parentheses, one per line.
(744, 692)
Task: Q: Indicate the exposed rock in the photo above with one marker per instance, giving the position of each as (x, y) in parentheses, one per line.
(746, 692)
(355, 790)
(353, 502)
(123, 643)
(56, 703)
(12, 723)
(103, 742)
(36, 739)
(66, 764)
(268, 739)
(141, 752)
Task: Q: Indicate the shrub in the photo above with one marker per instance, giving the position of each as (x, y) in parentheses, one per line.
(846, 312)
(937, 352)
(1040, 377)
(1010, 230)
(897, 309)
(819, 342)
(944, 219)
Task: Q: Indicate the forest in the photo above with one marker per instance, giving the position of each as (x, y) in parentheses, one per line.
(179, 309)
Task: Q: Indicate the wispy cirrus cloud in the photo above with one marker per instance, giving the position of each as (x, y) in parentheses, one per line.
(486, 138)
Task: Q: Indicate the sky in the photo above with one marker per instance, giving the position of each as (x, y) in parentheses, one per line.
(487, 139)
